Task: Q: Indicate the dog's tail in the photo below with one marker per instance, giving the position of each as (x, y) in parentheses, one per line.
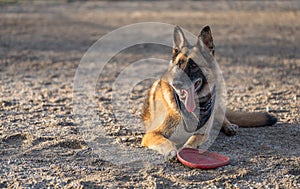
(250, 119)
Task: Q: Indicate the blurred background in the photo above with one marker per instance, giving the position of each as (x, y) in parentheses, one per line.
(42, 43)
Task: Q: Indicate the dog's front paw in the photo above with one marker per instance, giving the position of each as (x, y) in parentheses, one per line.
(230, 130)
(190, 146)
(171, 156)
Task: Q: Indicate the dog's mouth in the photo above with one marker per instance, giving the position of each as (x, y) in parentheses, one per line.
(188, 95)
(197, 84)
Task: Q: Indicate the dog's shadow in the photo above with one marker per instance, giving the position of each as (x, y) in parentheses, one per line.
(281, 139)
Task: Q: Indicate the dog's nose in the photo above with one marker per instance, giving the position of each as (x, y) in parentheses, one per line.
(177, 84)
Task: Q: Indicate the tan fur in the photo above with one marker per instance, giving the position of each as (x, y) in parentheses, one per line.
(160, 104)
(162, 117)
(250, 119)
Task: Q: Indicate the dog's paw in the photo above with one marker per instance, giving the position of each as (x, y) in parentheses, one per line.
(230, 130)
(171, 156)
(190, 146)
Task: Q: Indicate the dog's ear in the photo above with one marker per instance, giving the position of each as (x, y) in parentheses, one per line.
(206, 40)
(179, 40)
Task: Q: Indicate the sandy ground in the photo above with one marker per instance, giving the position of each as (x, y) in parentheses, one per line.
(41, 45)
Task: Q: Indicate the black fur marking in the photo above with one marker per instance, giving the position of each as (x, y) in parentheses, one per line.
(271, 120)
(193, 75)
(175, 53)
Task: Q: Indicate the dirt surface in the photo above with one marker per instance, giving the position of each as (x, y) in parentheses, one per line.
(41, 45)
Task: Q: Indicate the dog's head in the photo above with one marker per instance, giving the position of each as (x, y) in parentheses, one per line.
(191, 68)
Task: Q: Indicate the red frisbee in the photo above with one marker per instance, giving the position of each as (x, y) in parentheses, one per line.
(201, 160)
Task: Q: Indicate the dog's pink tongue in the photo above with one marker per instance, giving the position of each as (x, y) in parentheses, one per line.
(190, 103)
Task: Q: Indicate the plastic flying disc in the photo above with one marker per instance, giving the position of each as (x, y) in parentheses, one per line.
(201, 160)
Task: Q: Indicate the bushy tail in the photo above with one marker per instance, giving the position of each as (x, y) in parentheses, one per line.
(251, 119)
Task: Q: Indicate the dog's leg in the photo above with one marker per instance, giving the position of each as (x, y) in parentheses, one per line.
(195, 140)
(156, 141)
(228, 128)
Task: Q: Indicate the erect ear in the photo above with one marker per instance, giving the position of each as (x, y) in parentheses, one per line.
(179, 39)
(206, 39)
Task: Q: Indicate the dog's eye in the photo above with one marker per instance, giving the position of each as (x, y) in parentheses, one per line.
(180, 62)
(194, 67)
(175, 51)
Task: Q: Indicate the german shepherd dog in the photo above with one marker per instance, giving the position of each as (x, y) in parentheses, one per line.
(188, 91)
